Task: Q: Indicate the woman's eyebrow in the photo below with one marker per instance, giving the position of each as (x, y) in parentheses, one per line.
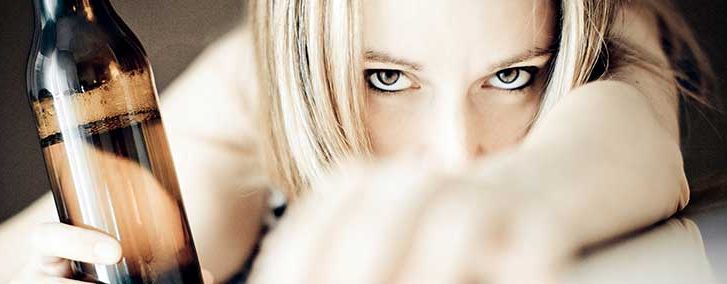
(378, 56)
(527, 55)
(386, 58)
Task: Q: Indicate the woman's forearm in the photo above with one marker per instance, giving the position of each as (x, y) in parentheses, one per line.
(609, 166)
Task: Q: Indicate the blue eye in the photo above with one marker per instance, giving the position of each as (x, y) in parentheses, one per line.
(513, 78)
(387, 80)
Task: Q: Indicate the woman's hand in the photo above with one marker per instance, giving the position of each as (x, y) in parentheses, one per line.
(55, 245)
(406, 223)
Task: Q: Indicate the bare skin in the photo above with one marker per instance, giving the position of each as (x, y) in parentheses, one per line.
(614, 172)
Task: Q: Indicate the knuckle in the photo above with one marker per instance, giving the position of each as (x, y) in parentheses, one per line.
(38, 235)
(46, 229)
(42, 236)
(39, 230)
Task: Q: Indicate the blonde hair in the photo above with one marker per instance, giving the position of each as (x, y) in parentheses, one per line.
(310, 63)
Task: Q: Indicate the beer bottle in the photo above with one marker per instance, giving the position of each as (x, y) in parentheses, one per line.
(95, 102)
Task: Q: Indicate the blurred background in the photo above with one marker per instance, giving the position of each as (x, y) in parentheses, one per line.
(174, 32)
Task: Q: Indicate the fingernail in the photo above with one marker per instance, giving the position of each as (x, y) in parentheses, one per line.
(106, 251)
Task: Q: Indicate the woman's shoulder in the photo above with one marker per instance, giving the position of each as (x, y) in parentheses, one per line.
(209, 118)
(215, 97)
(209, 115)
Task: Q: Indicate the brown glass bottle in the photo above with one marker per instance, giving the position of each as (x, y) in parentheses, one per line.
(93, 94)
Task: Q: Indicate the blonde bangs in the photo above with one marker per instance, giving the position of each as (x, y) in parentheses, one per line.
(581, 43)
(310, 54)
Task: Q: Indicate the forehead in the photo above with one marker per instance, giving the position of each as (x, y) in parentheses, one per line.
(459, 30)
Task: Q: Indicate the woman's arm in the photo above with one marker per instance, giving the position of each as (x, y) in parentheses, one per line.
(207, 121)
(608, 164)
(610, 150)
(208, 115)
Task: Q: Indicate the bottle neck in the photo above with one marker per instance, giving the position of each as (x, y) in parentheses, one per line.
(50, 10)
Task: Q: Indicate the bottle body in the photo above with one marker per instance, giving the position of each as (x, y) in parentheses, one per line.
(93, 94)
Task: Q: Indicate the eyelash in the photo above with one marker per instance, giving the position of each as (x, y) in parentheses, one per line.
(371, 85)
(532, 71)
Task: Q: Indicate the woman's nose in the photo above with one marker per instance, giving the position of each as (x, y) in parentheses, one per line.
(452, 130)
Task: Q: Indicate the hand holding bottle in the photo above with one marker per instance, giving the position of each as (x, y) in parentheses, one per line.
(55, 245)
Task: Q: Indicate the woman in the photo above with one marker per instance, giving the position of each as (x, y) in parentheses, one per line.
(438, 141)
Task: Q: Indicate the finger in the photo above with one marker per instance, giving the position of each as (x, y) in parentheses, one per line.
(69, 242)
(47, 280)
(43, 270)
(372, 233)
(453, 235)
(441, 243)
(497, 210)
(53, 266)
(536, 251)
(287, 253)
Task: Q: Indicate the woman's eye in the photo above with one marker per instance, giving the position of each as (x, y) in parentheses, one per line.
(513, 78)
(387, 80)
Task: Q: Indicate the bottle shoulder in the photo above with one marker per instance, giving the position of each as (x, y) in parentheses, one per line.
(83, 53)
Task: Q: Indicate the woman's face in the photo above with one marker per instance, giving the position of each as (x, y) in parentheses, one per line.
(453, 79)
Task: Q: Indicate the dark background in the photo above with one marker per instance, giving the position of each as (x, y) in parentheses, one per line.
(175, 31)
